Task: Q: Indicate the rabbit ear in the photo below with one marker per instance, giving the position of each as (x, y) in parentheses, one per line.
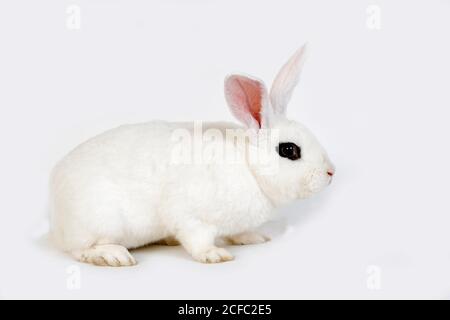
(247, 99)
(286, 80)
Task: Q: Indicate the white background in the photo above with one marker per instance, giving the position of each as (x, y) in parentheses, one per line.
(378, 100)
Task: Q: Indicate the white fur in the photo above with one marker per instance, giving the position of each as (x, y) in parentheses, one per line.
(120, 190)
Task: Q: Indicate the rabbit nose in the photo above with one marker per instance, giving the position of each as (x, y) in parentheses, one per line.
(330, 173)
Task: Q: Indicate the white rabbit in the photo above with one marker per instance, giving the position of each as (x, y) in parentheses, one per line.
(123, 189)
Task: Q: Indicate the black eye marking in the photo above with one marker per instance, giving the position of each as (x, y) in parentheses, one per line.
(290, 151)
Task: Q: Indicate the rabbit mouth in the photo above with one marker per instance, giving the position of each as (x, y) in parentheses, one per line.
(316, 183)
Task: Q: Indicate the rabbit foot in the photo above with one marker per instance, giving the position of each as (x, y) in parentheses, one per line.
(214, 255)
(247, 238)
(106, 255)
(199, 242)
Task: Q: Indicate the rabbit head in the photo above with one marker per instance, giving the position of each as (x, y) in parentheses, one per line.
(303, 165)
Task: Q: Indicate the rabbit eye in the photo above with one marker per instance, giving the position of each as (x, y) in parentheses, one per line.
(290, 151)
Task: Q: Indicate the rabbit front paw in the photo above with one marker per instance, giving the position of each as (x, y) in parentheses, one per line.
(213, 255)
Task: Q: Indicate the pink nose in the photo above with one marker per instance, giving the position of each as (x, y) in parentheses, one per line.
(330, 173)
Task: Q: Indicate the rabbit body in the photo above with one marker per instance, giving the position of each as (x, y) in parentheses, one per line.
(120, 188)
(127, 187)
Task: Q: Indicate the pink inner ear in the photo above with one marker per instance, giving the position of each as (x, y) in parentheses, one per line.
(248, 94)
